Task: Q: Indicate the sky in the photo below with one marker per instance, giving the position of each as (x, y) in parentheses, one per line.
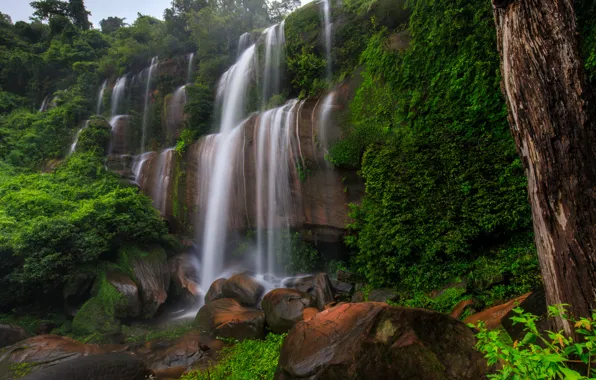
(19, 10)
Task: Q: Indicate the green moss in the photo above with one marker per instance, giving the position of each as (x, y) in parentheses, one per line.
(95, 138)
(98, 315)
(170, 333)
(249, 359)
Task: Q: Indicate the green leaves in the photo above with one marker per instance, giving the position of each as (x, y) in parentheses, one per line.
(550, 358)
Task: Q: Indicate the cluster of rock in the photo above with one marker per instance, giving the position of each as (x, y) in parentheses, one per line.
(331, 334)
(236, 308)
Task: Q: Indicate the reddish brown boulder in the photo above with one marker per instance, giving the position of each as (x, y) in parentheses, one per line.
(44, 351)
(284, 308)
(10, 334)
(215, 291)
(492, 317)
(309, 313)
(227, 318)
(376, 341)
(243, 288)
(180, 353)
(153, 279)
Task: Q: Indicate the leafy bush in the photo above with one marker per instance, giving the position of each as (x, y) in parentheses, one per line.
(50, 224)
(249, 359)
(549, 355)
(443, 180)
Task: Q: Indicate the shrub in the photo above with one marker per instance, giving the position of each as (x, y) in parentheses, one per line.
(549, 355)
(249, 359)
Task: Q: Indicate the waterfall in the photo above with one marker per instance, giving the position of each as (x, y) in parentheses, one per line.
(118, 94)
(44, 104)
(232, 91)
(73, 146)
(274, 50)
(139, 166)
(102, 89)
(327, 31)
(191, 61)
(324, 117)
(175, 111)
(150, 72)
(273, 169)
(159, 189)
(244, 42)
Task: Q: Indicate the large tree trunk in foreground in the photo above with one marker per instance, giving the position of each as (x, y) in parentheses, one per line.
(551, 118)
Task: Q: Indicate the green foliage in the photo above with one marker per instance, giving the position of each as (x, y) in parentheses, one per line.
(549, 355)
(443, 303)
(51, 224)
(249, 359)
(300, 256)
(443, 180)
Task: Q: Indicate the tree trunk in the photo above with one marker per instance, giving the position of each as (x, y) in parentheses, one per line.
(552, 120)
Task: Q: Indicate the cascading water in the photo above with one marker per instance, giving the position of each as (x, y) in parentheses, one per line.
(273, 152)
(244, 42)
(118, 94)
(189, 71)
(44, 104)
(102, 89)
(324, 117)
(232, 91)
(327, 31)
(119, 140)
(175, 112)
(274, 50)
(150, 72)
(73, 146)
(161, 180)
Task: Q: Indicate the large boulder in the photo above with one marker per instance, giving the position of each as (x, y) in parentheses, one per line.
(129, 304)
(215, 291)
(323, 290)
(151, 272)
(376, 341)
(227, 318)
(284, 308)
(185, 277)
(115, 366)
(184, 352)
(43, 351)
(10, 334)
(243, 288)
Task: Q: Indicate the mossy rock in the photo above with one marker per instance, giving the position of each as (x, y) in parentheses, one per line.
(98, 315)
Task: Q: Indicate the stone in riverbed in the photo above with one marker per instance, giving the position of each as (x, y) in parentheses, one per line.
(376, 341)
(351, 278)
(383, 295)
(227, 318)
(304, 284)
(215, 291)
(493, 316)
(284, 308)
(184, 275)
(243, 288)
(129, 304)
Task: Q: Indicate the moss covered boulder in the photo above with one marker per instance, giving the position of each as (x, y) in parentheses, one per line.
(149, 269)
(98, 315)
(373, 340)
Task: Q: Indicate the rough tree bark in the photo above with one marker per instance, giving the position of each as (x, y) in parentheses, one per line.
(551, 115)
